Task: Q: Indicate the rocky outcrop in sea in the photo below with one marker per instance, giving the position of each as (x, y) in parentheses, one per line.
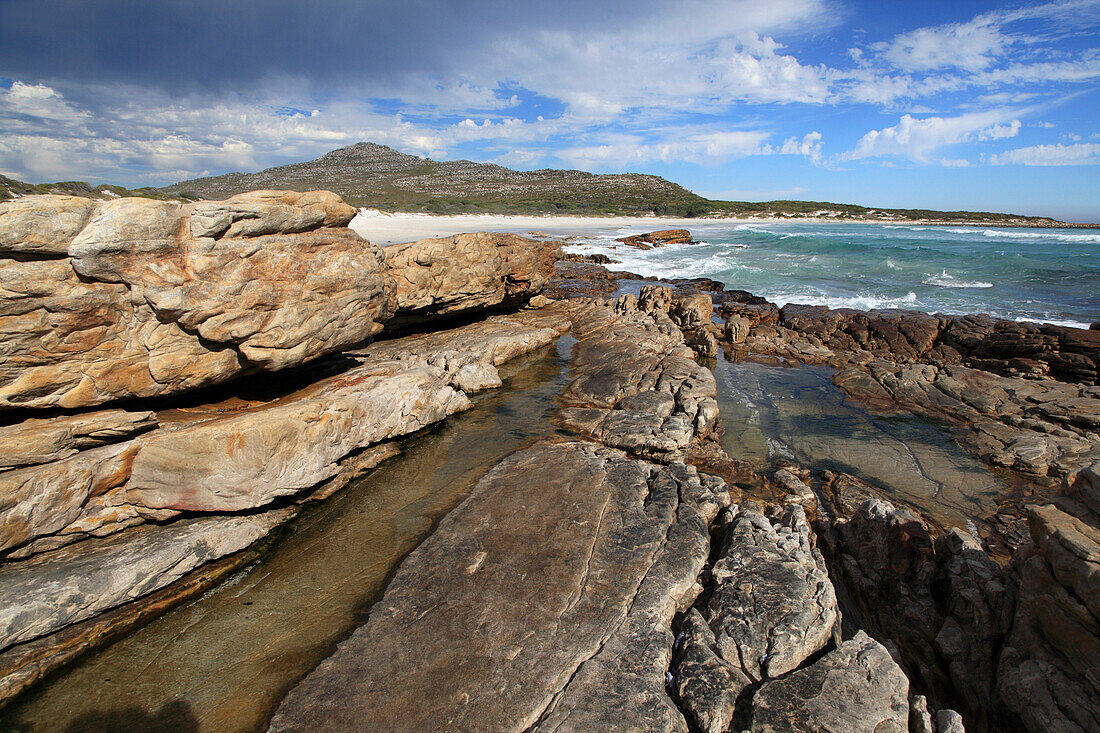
(180, 379)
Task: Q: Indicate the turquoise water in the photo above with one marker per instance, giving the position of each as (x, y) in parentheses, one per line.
(1049, 275)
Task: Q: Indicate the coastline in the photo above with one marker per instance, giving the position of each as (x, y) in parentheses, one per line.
(393, 228)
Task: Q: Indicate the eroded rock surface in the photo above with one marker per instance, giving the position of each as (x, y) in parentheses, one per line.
(228, 460)
(1026, 392)
(771, 608)
(856, 687)
(567, 633)
(638, 386)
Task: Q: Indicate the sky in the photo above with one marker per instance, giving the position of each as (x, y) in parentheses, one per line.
(950, 105)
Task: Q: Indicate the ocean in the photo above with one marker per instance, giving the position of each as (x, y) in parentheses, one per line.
(1046, 275)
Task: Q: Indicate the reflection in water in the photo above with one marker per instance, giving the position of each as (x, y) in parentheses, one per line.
(774, 412)
(223, 662)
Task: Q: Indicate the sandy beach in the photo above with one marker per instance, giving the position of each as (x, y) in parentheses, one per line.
(383, 228)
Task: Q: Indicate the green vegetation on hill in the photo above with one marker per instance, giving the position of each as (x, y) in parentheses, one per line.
(375, 176)
(11, 188)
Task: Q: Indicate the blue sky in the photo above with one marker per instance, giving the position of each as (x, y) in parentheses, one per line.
(949, 105)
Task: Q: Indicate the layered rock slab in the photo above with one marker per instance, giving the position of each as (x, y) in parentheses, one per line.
(48, 593)
(483, 628)
(219, 460)
(638, 386)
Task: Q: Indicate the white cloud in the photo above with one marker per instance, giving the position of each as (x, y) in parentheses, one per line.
(918, 139)
(1078, 154)
(971, 46)
(708, 147)
(999, 132)
(809, 145)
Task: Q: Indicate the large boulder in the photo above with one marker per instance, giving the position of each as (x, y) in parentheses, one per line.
(134, 297)
(466, 272)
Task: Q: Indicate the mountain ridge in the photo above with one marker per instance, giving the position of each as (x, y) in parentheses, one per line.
(368, 174)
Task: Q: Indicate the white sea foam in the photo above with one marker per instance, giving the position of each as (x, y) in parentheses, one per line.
(1051, 321)
(863, 301)
(1055, 236)
(944, 280)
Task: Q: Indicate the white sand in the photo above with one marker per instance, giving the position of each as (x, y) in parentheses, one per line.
(382, 228)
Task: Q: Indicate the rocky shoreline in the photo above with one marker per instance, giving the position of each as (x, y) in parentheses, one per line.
(178, 378)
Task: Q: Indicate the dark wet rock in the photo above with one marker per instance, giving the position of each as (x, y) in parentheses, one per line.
(856, 687)
(583, 648)
(937, 596)
(596, 259)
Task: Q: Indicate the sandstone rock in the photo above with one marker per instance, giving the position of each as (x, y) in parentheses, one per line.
(691, 311)
(736, 330)
(40, 500)
(247, 460)
(269, 212)
(569, 633)
(69, 343)
(159, 297)
(42, 225)
(280, 300)
(626, 359)
(437, 277)
(856, 687)
(44, 594)
(658, 239)
(217, 460)
(36, 441)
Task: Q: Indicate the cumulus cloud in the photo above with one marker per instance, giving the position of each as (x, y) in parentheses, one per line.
(1077, 154)
(523, 83)
(708, 147)
(917, 139)
(972, 46)
(809, 145)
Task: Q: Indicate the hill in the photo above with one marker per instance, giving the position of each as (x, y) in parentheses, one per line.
(11, 188)
(367, 174)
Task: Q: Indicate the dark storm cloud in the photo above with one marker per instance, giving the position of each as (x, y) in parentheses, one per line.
(229, 43)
